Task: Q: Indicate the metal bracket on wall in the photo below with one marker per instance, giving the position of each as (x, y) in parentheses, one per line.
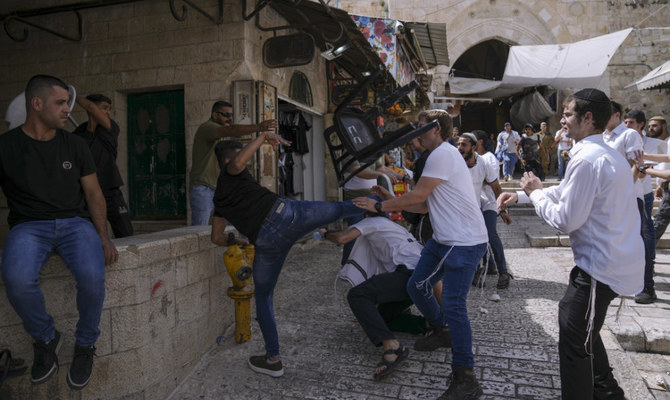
(13, 18)
(184, 10)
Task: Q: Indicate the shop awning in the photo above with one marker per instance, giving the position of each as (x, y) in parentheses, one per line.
(658, 78)
(561, 66)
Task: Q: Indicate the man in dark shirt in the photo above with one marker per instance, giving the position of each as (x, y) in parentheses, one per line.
(48, 177)
(102, 134)
(530, 151)
(272, 224)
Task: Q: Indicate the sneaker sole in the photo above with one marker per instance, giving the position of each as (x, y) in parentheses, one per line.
(75, 386)
(274, 374)
(53, 369)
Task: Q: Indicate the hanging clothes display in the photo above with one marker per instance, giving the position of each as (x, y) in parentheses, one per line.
(292, 127)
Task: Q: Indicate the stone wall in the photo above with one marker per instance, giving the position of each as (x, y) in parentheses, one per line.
(141, 47)
(165, 306)
(547, 22)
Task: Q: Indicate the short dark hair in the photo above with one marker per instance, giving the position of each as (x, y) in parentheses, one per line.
(616, 107)
(637, 115)
(39, 84)
(220, 104)
(594, 101)
(442, 117)
(98, 98)
(483, 136)
(372, 214)
(226, 149)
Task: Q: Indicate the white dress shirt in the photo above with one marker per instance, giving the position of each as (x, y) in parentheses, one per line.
(596, 206)
(626, 141)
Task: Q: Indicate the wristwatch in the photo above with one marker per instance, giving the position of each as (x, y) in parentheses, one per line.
(378, 206)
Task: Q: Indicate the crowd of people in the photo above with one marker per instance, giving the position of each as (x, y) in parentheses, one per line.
(61, 189)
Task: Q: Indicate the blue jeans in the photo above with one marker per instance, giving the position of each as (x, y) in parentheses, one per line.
(456, 273)
(28, 247)
(509, 162)
(562, 165)
(202, 204)
(288, 221)
(649, 239)
(491, 219)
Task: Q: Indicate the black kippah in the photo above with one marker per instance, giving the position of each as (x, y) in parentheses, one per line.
(592, 95)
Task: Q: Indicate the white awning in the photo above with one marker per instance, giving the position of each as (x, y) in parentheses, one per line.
(656, 79)
(572, 65)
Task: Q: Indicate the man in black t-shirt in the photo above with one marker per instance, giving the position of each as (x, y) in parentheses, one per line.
(102, 134)
(48, 177)
(272, 224)
(530, 151)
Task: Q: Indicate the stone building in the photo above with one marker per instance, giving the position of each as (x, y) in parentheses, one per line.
(503, 23)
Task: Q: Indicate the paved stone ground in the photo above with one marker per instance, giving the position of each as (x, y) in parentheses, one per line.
(327, 356)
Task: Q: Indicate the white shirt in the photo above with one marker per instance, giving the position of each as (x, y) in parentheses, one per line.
(488, 198)
(508, 140)
(651, 146)
(453, 208)
(664, 165)
(382, 246)
(596, 206)
(561, 144)
(626, 141)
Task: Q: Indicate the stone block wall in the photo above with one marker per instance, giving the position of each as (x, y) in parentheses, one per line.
(164, 308)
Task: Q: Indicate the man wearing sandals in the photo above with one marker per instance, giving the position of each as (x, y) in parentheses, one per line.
(272, 224)
(595, 205)
(452, 254)
(387, 253)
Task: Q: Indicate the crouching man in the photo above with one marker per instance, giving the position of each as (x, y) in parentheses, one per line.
(48, 176)
(272, 224)
(381, 262)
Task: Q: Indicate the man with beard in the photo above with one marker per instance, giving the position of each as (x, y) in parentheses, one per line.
(658, 129)
(205, 169)
(595, 205)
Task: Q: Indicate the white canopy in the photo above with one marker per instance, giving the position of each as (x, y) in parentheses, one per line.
(657, 78)
(572, 65)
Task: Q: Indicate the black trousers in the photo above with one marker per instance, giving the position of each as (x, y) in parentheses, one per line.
(117, 214)
(584, 376)
(662, 217)
(388, 290)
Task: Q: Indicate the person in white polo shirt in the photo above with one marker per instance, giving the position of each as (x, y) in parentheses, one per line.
(596, 206)
(452, 254)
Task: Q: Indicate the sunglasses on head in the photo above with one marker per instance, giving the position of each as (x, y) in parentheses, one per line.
(224, 114)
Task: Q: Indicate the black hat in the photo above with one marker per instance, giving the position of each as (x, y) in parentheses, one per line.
(592, 95)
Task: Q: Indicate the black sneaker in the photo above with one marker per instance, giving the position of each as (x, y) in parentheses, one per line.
(646, 296)
(462, 385)
(261, 365)
(434, 339)
(81, 368)
(45, 362)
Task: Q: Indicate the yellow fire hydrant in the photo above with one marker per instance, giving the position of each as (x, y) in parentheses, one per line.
(238, 264)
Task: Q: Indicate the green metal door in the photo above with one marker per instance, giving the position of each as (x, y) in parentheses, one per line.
(157, 155)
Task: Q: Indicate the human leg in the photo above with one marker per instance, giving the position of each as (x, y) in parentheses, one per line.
(28, 247)
(662, 217)
(459, 269)
(202, 204)
(420, 285)
(364, 298)
(578, 367)
(491, 220)
(79, 246)
(118, 215)
(648, 294)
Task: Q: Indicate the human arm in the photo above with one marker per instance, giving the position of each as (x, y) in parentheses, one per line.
(98, 210)
(239, 162)
(657, 157)
(218, 235)
(93, 110)
(243, 130)
(414, 201)
(658, 173)
(342, 237)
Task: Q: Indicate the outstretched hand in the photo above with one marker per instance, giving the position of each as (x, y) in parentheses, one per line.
(530, 182)
(365, 203)
(505, 199)
(275, 140)
(381, 192)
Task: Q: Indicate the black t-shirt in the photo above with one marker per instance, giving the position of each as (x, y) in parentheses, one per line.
(103, 145)
(41, 180)
(243, 202)
(530, 147)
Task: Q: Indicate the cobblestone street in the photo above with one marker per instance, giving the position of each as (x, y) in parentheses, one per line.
(327, 356)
